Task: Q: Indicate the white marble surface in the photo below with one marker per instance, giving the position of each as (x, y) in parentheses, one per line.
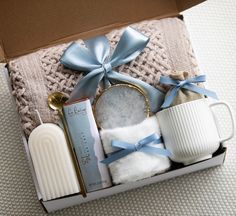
(121, 106)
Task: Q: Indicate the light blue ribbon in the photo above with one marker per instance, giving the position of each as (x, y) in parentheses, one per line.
(95, 61)
(142, 146)
(185, 84)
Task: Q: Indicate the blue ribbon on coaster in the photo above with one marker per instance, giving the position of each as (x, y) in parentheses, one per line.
(94, 59)
(185, 84)
(142, 146)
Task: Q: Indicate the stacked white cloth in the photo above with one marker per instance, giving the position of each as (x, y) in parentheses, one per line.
(137, 165)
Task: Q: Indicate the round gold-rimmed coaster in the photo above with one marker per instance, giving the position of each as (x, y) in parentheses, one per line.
(121, 105)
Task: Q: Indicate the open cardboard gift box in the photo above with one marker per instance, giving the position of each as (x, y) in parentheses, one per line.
(27, 26)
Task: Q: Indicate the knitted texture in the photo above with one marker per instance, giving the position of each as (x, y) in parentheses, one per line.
(36, 75)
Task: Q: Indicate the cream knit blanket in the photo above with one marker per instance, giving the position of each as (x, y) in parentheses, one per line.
(36, 75)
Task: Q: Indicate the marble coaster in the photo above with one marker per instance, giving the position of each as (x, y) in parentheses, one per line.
(120, 106)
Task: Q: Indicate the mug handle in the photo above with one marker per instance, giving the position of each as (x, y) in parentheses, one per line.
(231, 135)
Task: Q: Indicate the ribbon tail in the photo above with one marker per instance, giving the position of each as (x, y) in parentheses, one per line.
(156, 151)
(85, 90)
(122, 145)
(197, 79)
(170, 98)
(152, 138)
(116, 156)
(106, 83)
(200, 90)
(154, 95)
(167, 80)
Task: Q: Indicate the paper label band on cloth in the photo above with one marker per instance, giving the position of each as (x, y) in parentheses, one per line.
(142, 145)
(95, 61)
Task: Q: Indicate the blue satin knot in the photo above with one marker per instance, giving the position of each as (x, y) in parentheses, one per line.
(143, 146)
(180, 83)
(138, 146)
(107, 67)
(185, 84)
(94, 59)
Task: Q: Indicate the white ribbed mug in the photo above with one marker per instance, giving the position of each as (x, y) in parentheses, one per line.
(190, 132)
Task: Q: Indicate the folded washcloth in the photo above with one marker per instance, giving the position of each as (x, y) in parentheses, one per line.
(137, 165)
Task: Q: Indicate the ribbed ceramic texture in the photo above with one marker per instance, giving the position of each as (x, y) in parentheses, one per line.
(210, 192)
(52, 162)
(189, 131)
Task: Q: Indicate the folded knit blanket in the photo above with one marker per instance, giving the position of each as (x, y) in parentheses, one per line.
(36, 75)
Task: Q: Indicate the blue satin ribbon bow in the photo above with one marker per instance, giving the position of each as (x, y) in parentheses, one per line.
(96, 62)
(142, 145)
(186, 84)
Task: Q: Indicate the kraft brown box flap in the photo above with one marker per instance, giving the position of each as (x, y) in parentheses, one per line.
(28, 25)
(185, 4)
